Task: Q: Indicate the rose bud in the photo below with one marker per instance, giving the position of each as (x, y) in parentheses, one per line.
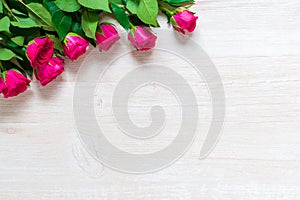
(184, 20)
(74, 46)
(39, 51)
(142, 38)
(106, 36)
(50, 71)
(15, 83)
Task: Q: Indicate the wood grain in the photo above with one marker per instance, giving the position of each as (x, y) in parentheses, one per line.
(255, 46)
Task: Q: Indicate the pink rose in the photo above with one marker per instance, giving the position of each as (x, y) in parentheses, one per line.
(15, 83)
(39, 51)
(49, 72)
(2, 84)
(142, 38)
(184, 20)
(107, 36)
(74, 46)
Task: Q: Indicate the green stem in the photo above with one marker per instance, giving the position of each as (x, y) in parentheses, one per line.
(9, 10)
(132, 26)
(2, 68)
(21, 1)
(168, 12)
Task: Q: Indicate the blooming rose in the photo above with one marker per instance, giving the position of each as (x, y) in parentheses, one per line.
(50, 71)
(107, 36)
(184, 20)
(39, 51)
(142, 38)
(15, 83)
(74, 46)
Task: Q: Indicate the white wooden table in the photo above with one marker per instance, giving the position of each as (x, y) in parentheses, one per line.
(255, 46)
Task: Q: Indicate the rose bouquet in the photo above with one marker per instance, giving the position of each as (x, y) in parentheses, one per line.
(36, 35)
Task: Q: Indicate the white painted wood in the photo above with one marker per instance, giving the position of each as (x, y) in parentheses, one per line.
(256, 48)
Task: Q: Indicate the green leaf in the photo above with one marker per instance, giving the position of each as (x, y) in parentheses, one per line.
(95, 4)
(121, 15)
(57, 43)
(136, 21)
(68, 6)
(6, 54)
(1, 7)
(50, 6)
(77, 28)
(178, 1)
(118, 2)
(147, 11)
(4, 24)
(62, 23)
(38, 10)
(32, 1)
(19, 57)
(132, 6)
(18, 13)
(89, 23)
(25, 23)
(19, 40)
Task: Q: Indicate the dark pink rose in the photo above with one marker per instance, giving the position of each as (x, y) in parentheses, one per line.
(142, 38)
(184, 21)
(74, 46)
(15, 83)
(50, 71)
(107, 36)
(2, 84)
(39, 51)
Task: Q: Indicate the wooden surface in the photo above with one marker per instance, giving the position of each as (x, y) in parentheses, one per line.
(255, 46)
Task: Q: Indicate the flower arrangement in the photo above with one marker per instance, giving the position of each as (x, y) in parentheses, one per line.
(36, 35)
